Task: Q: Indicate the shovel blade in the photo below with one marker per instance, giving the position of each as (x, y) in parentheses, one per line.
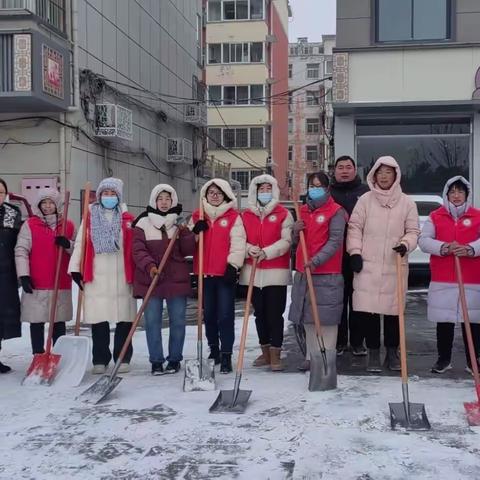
(75, 356)
(416, 420)
(193, 381)
(42, 370)
(472, 409)
(228, 402)
(323, 371)
(100, 389)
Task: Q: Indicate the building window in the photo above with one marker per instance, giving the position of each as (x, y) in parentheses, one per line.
(312, 98)
(215, 94)
(214, 53)
(290, 125)
(312, 125)
(256, 52)
(328, 67)
(235, 52)
(230, 10)
(214, 10)
(413, 20)
(429, 151)
(293, 51)
(236, 95)
(290, 153)
(311, 153)
(245, 177)
(214, 138)
(241, 137)
(257, 137)
(313, 70)
(290, 70)
(329, 96)
(256, 9)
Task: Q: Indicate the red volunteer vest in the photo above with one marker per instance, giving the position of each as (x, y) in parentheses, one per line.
(465, 230)
(216, 243)
(43, 255)
(265, 233)
(127, 237)
(316, 236)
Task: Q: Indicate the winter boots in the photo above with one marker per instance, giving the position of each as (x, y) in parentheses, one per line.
(214, 354)
(226, 363)
(275, 359)
(442, 365)
(374, 365)
(264, 359)
(392, 362)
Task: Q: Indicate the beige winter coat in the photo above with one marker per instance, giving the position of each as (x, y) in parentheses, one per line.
(270, 276)
(380, 221)
(108, 297)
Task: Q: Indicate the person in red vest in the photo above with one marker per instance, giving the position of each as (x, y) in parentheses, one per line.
(107, 275)
(453, 230)
(323, 223)
(269, 237)
(35, 259)
(223, 256)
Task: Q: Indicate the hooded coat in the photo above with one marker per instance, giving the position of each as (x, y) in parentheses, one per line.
(443, 296)
(272, 276)
(213, 215)
(35, 306)
(151, 237)
(381, 220)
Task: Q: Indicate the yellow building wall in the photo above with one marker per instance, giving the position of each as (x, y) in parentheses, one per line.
(255, 157)
(248, 31)
(248, 116)
(236, 74)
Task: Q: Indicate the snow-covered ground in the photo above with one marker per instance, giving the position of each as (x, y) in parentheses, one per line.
(150, 429)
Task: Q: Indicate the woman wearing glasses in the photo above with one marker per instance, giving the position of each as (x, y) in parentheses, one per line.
(223, 255)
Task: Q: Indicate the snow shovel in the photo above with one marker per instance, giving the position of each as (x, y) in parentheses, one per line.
(74, 351)
(472, 409)
(104, 386)
(410, 416)
(43, 368)
(323, 364)
(199, 373)
(235, 401)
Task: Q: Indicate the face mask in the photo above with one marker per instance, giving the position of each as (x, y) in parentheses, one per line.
(316, 193)
(109, 202)
(264, 197)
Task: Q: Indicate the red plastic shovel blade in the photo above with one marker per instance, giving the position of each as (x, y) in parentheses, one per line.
(42, 370)
(472, 409)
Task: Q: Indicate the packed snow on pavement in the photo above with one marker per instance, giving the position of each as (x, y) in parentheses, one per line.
(148, 428)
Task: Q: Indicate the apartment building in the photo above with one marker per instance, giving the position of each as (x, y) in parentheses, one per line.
(247, 80)
(310, 118)
(104, 87)
(406, 83)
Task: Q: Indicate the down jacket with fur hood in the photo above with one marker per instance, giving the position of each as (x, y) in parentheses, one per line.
(381, 220)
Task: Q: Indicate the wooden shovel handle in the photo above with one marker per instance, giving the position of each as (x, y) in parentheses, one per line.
(248, 301)
(401, 318)
(308, 273)
(200, 276)
(53, 306)
(83, 246)
(468, 328)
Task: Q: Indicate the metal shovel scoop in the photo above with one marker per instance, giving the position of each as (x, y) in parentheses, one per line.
(410, 416)
(235, 401)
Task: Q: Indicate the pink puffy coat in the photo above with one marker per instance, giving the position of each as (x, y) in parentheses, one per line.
(380, 221)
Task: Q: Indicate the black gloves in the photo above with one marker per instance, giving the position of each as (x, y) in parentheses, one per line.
(63, 242)
(356, 263)
(200, 226)
(401, 249)
(230, 275)
(78, 279)
(27, 285)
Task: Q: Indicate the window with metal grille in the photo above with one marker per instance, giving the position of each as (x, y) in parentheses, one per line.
(215, 138)
(312, 125)
(313, 70)
(290, 70)
(290, 125)
(214, 53)
(215, 94)
(6, 63)
(311, 153)
(290, 153)
(312, 98)
(256, 137)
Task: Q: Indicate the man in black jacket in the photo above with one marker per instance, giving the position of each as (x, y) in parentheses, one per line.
(346, 188)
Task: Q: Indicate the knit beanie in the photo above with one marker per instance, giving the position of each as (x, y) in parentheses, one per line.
(111, 183)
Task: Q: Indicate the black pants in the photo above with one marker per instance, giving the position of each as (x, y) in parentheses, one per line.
(371, 324)
(269, 304)
(350, 319)
(37, 335)
(445, 334)
(101, 342)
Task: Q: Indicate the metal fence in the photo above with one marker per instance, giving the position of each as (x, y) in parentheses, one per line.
(52, 11)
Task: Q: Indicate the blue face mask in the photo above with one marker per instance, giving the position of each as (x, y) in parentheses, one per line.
(264, 197)
(109, 202)
(316, 193)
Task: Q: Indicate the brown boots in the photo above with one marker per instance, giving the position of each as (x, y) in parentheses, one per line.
(270, 356)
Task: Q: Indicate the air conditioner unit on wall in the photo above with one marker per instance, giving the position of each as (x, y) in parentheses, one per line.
(180, 150)
(113, 121)
(196, 114)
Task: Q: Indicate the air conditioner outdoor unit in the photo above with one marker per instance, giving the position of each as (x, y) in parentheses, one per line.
(196, 114)
(113, 121)
(180, 150)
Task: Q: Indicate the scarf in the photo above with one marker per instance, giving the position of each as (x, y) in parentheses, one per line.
(10, 217)
(105, 232)
(160, 219)
(457, 212)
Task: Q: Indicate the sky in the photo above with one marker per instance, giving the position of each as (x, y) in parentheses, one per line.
(312, 19)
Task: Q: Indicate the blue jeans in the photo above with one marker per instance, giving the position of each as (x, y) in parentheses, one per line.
(153, 328)
(219, 313)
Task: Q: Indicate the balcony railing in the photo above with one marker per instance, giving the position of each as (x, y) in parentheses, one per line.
(6, 63)
(51, 11)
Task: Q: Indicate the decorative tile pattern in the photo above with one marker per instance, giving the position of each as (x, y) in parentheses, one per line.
(52, 72)
(340, 77)
(22, 64)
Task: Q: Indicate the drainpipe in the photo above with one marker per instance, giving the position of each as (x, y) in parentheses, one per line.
(63, 158)
(74, 42)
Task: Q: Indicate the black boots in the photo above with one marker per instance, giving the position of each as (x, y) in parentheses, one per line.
(214, 354)
(4, 368)
(226, 363)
